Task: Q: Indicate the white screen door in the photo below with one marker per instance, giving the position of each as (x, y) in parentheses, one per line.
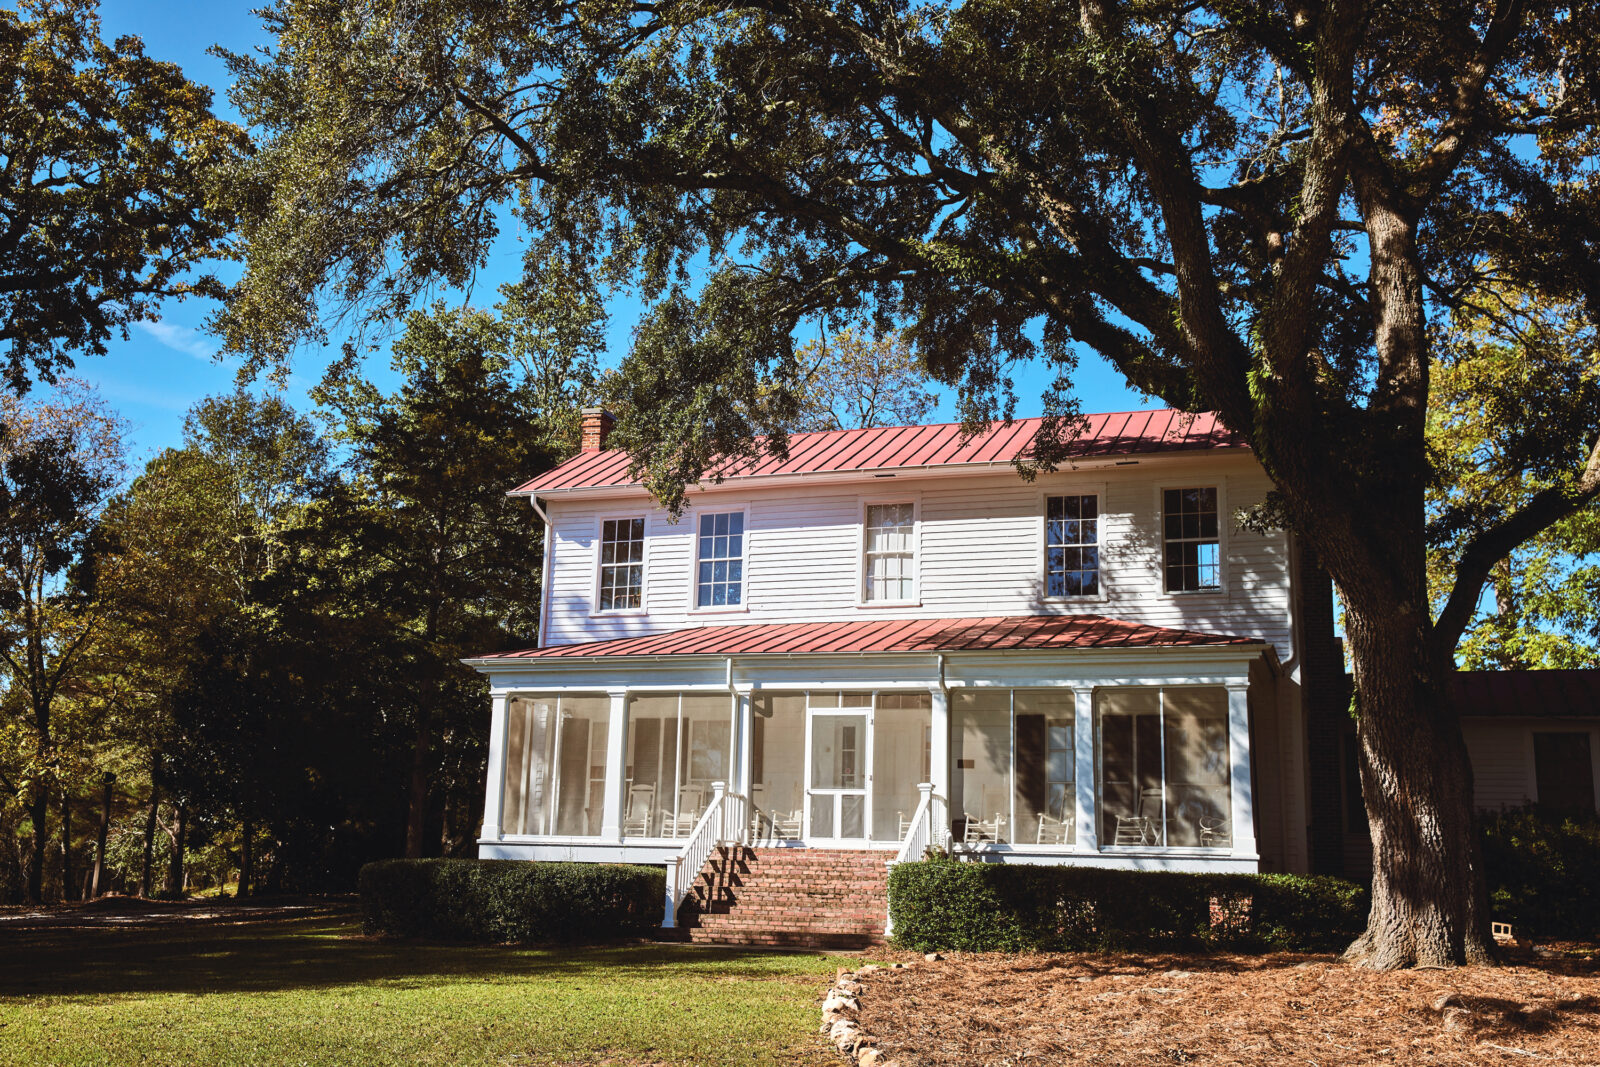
(838, 762)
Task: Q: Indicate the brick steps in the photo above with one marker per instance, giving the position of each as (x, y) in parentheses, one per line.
(788, 897)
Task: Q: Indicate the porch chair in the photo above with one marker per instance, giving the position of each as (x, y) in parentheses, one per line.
(1132, 830)
(691, 801)
(637, 816)
(1214, 832)
(978, 830)
(786, 827)
(1053, 831)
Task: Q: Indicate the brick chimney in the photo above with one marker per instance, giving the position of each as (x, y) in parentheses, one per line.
(597, 423)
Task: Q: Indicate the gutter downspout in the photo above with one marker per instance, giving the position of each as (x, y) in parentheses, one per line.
(544, 580)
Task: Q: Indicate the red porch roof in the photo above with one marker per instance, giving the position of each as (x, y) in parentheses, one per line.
(889, 635)
(1123, 433)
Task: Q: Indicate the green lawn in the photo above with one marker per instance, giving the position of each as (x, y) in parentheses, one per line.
(311, 991)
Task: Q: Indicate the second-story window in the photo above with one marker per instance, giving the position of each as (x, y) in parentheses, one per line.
(1193, 559)
(720, 579)
(890, 565)
(621, 564)
(1072, 546)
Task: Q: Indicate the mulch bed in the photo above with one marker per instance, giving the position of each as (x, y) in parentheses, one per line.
(1216, 1010)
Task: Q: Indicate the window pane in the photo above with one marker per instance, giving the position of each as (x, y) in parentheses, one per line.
(897, 760)
(980, 782)
(889, 547)
(579, 788)
(1130, 766)
(1197, 787)
(1045, 767)
(777, 755)
(838, 752)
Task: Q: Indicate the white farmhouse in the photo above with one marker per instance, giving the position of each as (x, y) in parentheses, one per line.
(890, 641)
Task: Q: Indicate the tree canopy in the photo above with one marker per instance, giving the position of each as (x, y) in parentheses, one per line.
(112, 186)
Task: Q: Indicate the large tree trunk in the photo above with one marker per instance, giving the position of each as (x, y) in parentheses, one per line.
(150, 839)
(39, 813)
(175, 866)
(98, 886)
(1429, 904)
(246, 858)
(68, 890)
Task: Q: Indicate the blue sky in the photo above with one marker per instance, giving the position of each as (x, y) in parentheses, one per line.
(164, 367)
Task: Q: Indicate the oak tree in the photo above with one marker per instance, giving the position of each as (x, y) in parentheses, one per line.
(1246, 207)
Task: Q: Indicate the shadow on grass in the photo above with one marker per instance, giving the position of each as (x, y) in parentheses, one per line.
(244, 954)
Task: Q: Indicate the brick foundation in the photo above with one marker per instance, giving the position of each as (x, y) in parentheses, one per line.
(819, 898)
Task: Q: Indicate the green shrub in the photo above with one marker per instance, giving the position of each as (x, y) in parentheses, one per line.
(1543, 869)
(510, 900)
(978, 907)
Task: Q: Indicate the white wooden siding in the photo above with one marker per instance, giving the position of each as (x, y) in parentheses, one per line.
(980, 547)
(1502, 762)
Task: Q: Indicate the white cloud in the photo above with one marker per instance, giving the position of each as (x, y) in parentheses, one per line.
(185, 339)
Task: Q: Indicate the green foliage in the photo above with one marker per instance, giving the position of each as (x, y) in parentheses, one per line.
(111, 190)
(984, 907)
(851, 381)
(1544, 871)
(1516, 385)
(510, 900)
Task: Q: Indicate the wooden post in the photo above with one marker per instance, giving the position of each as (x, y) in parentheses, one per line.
(939, 765)
(616, 787)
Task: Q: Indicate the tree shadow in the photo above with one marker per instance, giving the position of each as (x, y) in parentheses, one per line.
(255, 954)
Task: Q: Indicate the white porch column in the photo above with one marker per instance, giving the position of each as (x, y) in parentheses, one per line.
(743, 717)
(1087, 830)
(494, 789)
(616, 764)
(939, 764)
(1242, 818)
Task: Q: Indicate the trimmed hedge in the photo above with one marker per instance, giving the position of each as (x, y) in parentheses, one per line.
(979, 907)
(1543, 869)
(510, 900)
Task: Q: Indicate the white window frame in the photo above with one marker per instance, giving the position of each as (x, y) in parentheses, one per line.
(1042, 545)
(915, 500)
(644, 565)
(1224, 524)
(693, 607)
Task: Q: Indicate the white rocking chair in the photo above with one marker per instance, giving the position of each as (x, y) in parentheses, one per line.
(641, 804)
(1053, 831)
(978, 830)
(691, 801)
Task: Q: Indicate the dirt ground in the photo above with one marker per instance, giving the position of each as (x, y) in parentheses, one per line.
(1215, 1010)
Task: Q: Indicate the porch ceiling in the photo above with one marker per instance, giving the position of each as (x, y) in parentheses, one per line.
(996, 634)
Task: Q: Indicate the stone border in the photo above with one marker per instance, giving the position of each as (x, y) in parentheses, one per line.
(839, 1009)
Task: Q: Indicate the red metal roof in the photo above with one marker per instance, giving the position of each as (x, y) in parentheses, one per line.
(888, 635)
(1527, 693)
(1122, 433)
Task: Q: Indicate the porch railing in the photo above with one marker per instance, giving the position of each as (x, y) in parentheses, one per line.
(722, 823)
(922, 833)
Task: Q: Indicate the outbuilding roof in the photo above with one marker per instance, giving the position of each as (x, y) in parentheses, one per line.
(995, 634)
(1122, 433)
(1531, 694)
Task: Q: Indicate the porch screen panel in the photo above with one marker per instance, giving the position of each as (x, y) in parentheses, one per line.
(777, 755)
(651, 765)
(1196, 741)
(981, 781)
(530, 756)
(706, 756)
(1045, 767)
(1130, 766)
(899, 760)
(579, 787)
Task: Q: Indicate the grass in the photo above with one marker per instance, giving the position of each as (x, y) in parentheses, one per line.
(311, 991)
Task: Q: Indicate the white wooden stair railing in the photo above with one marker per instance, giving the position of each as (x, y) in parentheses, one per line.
(921, 834)
(722, 823)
